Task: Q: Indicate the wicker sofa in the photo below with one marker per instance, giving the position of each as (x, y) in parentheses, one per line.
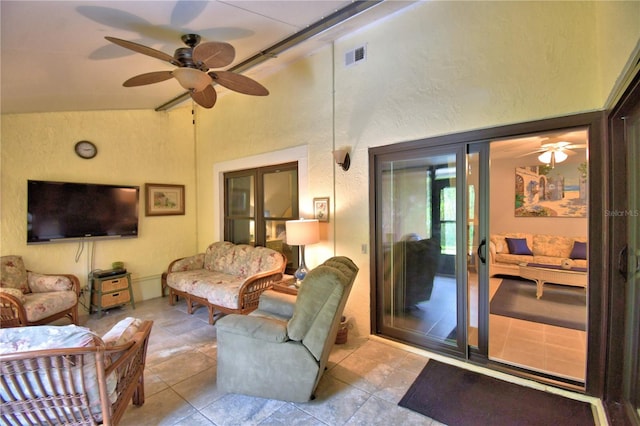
(227, 278)
(69, 375)
(507, 251)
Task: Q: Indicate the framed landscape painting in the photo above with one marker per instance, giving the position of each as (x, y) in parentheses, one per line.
(164, 199)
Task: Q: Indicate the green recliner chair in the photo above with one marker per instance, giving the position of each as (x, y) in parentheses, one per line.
(280, 350)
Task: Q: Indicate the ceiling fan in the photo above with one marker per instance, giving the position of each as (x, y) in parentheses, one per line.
(193, 69)
(555, 152)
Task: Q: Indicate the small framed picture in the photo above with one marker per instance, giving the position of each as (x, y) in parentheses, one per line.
(163, 199)
(321, 209)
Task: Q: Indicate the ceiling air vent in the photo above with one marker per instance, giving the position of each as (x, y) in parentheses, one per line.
(356, 55)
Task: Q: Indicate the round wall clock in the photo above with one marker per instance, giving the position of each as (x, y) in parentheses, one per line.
(86, 149)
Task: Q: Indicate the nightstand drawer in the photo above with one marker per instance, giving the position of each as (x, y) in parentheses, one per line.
(112, 299)
(115, 284)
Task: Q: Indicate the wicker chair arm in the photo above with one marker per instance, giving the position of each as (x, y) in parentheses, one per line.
(128, 366)
(194, 265)
(250, 291)
(12, 312)
(255, 285)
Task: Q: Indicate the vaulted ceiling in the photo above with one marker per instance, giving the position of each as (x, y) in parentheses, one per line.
(54, 55)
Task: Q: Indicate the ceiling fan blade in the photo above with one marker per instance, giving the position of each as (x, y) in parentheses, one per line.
(143, 49)
(214, 54)
(537, 151)
(239, 83)
(205, 98)
(148, 78)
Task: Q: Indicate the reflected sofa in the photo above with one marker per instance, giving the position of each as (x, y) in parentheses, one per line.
(227, 278)
(69, 375)
(280, 351)
(507, 251)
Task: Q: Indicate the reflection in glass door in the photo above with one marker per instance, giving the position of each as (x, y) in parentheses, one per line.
(420, 250)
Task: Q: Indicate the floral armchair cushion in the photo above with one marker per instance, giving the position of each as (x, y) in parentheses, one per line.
(13, 274)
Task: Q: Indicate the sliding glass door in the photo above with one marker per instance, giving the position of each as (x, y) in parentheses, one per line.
(421, 250)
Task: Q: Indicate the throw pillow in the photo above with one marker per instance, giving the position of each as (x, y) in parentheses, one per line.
(579, 250)
(518, 246)
(41, 283)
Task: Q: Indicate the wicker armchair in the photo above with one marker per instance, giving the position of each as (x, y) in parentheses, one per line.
(29, 298)
(78, 379)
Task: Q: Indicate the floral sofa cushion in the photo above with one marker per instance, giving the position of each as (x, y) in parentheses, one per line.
(217, 287)
(241, 260)
(13, 274)
(500, 242)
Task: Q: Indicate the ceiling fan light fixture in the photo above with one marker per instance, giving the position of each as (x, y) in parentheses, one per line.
(192, 79)
(560, 156)
(545, 157)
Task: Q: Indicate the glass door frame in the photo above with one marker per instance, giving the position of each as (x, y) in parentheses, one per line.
(381, 154)
(622, 390)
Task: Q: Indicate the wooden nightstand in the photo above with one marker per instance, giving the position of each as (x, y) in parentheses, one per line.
(109, 292)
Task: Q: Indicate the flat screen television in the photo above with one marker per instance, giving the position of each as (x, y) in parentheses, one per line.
(59, 211)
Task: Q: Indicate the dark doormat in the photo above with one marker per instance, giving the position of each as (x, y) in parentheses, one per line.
(560, 305)
(458, 397)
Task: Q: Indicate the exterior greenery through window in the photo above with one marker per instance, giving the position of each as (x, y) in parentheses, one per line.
(257, 204)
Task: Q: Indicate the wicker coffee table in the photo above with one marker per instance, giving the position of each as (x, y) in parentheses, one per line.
(548, 274)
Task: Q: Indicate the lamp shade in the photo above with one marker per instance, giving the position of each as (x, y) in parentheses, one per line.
(302, 232)
(192, 79)
(545, 157)
(560, 156)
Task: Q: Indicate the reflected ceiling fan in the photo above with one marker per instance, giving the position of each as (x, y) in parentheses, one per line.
(193, 69)
(555, 152)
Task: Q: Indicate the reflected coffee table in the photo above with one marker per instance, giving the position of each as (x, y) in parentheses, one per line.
(543, 274)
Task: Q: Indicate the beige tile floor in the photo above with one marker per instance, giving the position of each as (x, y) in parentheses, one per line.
(539, 347)
(363, 384)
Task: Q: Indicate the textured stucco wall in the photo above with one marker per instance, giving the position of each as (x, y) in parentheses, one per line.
(134, 148)
(618, 35)
(433, 68)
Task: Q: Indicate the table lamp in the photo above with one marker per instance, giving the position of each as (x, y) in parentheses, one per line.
(300, 233)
